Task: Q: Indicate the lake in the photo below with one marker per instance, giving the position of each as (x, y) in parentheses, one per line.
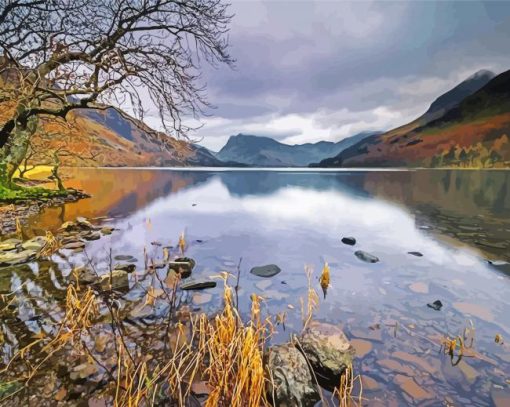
(458, 220)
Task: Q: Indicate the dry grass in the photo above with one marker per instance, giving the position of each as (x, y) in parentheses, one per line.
(311, 303)
(51, 246)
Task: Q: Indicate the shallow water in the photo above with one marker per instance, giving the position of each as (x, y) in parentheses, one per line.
(457, 219)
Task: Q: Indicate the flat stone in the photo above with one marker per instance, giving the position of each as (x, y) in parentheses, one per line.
(349, 240)
(291, 382)
(74, 245)
(417, 254)
(367, 257)
(9, 244)
(409, 386)
(84, 223)
(198, 285)
(125, 257)
(268, 270)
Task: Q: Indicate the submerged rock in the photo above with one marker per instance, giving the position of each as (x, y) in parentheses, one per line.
(349, 240)
(328, 351)
(293, 382)
(198, 285)
(268, 270)
(436, 305)
(183, 266)
(367, 257)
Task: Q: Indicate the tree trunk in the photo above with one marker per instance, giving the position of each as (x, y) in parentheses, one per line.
(54, 172)
(13, 153)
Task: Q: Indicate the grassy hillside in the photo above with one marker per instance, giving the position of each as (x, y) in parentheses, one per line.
(473, 134)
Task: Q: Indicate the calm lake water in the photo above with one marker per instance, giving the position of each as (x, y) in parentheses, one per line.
(458, 220)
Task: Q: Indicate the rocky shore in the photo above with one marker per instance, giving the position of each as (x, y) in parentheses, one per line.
(24, 209)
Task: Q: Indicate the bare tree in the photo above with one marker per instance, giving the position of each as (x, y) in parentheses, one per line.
(61, 55)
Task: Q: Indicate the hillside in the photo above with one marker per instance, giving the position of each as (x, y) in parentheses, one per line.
(112, 139)
(267, 152)
(473, 132)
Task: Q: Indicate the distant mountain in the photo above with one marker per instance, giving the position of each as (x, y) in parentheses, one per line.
(472, 132)
(266, 152)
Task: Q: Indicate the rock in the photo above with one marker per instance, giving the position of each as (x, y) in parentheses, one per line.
(125, 257)
(328, 351)
(198, 285)
(183, 266)
(68, 226)
(417, 254)
(107, 230)
(92, 236)
(36, 243)
(436, 305)
(116, 279)
(349, 240)
(83, 223)
(84, 275)
(9, 244)
(268, 270)
(293, 382)
(74, 245)
(127, 267)
(409, 386)
(369, 258)
(12, 258)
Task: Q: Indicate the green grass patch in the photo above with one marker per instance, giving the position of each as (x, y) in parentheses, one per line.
(19, 193)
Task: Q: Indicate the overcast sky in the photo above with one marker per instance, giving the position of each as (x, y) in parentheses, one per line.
(325, 70)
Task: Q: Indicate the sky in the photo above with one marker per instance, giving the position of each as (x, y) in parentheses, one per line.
(324, 70)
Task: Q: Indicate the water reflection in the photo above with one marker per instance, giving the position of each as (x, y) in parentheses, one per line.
(456, 219)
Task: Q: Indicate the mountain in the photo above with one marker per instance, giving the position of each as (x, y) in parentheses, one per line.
(267, 152)
(471, 132)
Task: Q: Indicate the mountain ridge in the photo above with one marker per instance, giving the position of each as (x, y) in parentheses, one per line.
(267, 152)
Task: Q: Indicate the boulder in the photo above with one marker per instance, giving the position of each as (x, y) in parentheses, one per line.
(116, 279)
(367, 257)
(183, 266)
(291, 382)
(198, 285)
(328, 351)
(268, 270)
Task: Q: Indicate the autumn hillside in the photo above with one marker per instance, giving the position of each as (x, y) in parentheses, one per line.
(472, 133)
(97, 137)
